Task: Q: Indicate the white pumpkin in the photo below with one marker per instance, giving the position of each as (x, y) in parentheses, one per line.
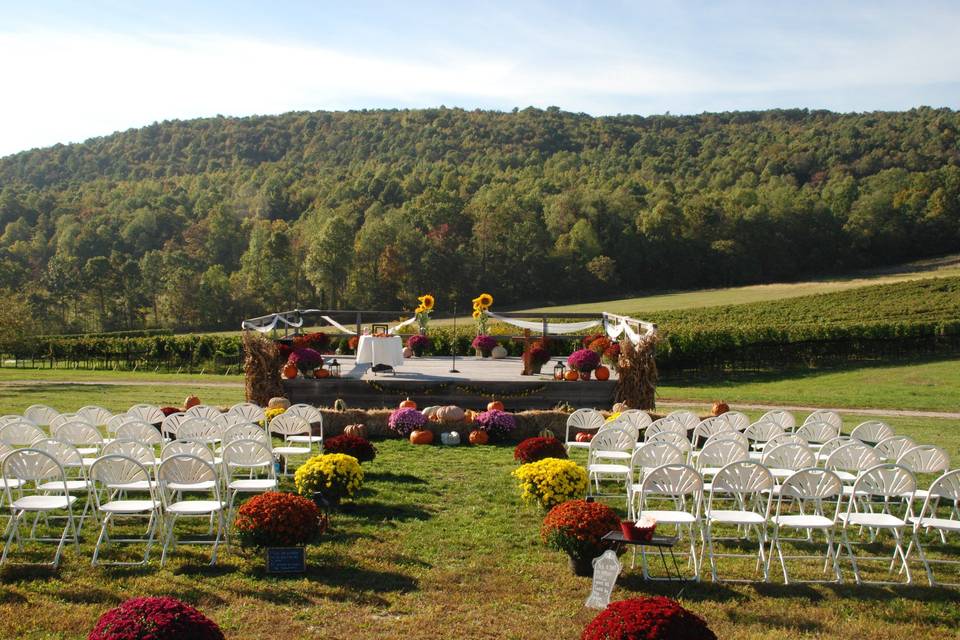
(450, 413)
(498, 352)
(407, 352)
(450, 438)
(277, 402)
(430, 412)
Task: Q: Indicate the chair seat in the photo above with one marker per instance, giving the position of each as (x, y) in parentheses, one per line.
(139, 485)
(936, 523)
(87, 451)
(13, 483)
(195, 507)
(206, 485)
(735, 517)
(613, 455)
(756, 456)
(310, 439)
(262, 484)
(57, 485)
(43, 503)
(128, 506)
(709, 471)
(605, 468)
(781, 474)
(876, 520)
(845, 476)
(291, 451)
(670, 517)
(573, 444)
(804, 522)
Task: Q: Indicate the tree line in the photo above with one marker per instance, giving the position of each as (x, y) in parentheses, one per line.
(196, 224)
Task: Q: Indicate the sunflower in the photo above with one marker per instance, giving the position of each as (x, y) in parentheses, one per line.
(485, 300)
(477, 313)
(420, 309)
(426, 302)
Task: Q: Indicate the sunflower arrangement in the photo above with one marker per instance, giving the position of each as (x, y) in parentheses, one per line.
(423, 311)
(480, 305)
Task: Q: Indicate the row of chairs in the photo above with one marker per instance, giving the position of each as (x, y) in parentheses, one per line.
(809, 500)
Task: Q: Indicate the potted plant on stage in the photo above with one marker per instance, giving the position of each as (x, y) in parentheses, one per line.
(423, 312)
(584, 361)
(306, 360)
(534, 358)
(419, 344)
(484, 345)
(282, 524)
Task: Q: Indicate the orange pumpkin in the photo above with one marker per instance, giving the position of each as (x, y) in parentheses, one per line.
(720, 408)
(602, 373)
(571, 375)
(321, 373)
(191, 401)
(479, 437)
(421, 436)
(469, 415)
(408, 404)
(495, 405)
(358, 430)
(583, 436)
(289, 371)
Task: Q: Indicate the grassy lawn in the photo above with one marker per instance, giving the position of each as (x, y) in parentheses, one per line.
(932, 386)
(90, 375)
(438, 545)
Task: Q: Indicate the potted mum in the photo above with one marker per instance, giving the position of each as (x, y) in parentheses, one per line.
(584, 361)
(551, 481)
(577, 527)
(329, 478)
(497, 424)
(306, 360)
(484, 344)
(162, 618)
(534, 358)
(282, 524)
(419, 344)
(406, 420)
(356, 446)
(656, 618)
(538, 448)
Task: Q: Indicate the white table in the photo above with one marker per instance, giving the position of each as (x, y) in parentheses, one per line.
(380, 351)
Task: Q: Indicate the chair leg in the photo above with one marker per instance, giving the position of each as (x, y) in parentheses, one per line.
(216, 541)
(853, 558)
(167, 538)
(100, 540)
(12, 527)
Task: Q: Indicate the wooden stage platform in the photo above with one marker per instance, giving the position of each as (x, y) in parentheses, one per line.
(429, 382)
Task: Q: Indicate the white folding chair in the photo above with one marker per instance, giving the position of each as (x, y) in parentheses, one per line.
(688, 419)
(7, 483)
(286, 425)
(678, 440)
(247, 431)
(639, 419)
(832, 445)
(75, 468)
(84, 436)
(667, 424)
(313, 417)
(20, 433)
(115, 421)
(894, 484)
(136, 450)
(783, 461)
(141, 432)
(618, 455)
(851, 460)
(709, 427)
(817, 433)
(681, 487)
(946, 488)
(248, 411)
(95, 415)
(113, 475)
(40, 414)
(737, 420)
(146, 412)
(759, 432)
(34, 468)
(605, 442)
(64, 418)
(736, 436)
(648, 456)
(748, 486)
(925, 458)
(181, 474)
(582, 420)
(204, 411)
(206, 432)
(252, 457)
(810, 492)
(872, 432)
(780, 417)
(893, 447)
(825, 415)
(718, 453)
(183, 448)
(171, 424)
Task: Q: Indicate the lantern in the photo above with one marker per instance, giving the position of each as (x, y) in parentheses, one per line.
(334, 369)
(558, 370)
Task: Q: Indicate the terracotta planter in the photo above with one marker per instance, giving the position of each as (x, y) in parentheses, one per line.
(481, 353)
(581, 566)
(585, 375)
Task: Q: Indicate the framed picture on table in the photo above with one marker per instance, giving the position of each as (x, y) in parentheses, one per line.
(380, 329)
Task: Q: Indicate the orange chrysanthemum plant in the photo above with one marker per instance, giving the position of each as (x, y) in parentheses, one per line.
(276, 519)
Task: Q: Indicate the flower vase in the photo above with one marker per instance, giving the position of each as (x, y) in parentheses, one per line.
(585, 375)
(581, 566)
(307, 374)
(483, 353)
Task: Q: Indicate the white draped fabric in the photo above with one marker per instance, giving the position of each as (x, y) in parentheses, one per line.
(334, 323)
(372, 350)
(270, 325)
(615, 326)
(552, 327)
(402, 325)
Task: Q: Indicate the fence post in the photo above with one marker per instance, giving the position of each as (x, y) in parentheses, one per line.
(359, 323)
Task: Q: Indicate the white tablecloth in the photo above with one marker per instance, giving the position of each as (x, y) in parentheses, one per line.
(380, 351)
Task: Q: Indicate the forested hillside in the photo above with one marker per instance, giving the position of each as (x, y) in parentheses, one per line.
(195, 224)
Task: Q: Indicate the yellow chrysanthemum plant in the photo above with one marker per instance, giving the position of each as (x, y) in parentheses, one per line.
(423, 311)
(480, 305)
(551, 481)
(334, 476)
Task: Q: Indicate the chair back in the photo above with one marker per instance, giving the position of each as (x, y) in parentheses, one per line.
(115, 421)
(852, 457)
(780, 417)
(20, 433)
(584, 420)
(760, 432)
(688, 419)
(78, 433)
(720, 453)
(872, 431)
(40, 414)
(811, 485)
(668, 423)
(735, 436)
(679, 440)
(620, 423)
(832, 445)
(946, 487)
(308, 412)
(817, 432)
(141, 432)
(289, 424)
(248, 411)
(737, 419)
(64, 418)
(825, 415)
(247, 454)
(131, 449)
(171, 424)
(711, 427)
(247, 431)
(740, 480)
(789, 456)
(612, 439)
(63, 452)
(672, 479)
(183, 471)
(199, 430)
(650, 455)
(890, 481)
(95, 415)
(895, 446)
(204, 411)
(146, 412)
(925, 458)
(638, 418)
(32, 466)
(181, 448)
(117, 471)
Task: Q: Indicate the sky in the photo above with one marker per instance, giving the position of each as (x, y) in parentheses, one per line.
(74, 70)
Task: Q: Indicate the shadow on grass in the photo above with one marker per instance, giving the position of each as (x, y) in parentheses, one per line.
(799, 590)
(88, 595)
(190, 569)
(357, 582)
(694, 591)
(28, 572)
(880, 593)
(384, 512)
(11, 597)
(389, 476)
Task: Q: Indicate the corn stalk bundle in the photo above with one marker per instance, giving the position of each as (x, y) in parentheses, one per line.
(261, 368)
(637, 373)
